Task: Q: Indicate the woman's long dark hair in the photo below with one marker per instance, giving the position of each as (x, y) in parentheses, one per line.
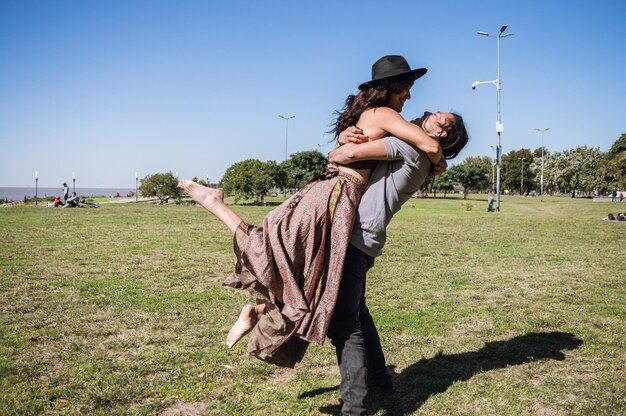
(454, 141)
(376, 94)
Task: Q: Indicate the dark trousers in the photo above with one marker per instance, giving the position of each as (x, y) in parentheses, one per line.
(354, 335)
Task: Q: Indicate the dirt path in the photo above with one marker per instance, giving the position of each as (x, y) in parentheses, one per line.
(124, 200)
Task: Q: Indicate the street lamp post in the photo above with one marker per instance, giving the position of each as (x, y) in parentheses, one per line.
(36, 184)
(136, 186)
(73, 181)
(542, 131)
(286, 131)
(499, 126)
(521, 184)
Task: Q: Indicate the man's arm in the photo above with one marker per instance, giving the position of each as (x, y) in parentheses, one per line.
(374, 150)
(390, 121)
(393, 123)
(351, 152)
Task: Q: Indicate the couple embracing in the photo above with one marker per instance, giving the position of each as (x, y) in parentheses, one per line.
(306, 266)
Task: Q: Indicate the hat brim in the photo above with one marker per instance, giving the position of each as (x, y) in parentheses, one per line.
(416, 73)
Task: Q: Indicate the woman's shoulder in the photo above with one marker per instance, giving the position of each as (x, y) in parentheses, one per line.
(382, 111)
(379, 115)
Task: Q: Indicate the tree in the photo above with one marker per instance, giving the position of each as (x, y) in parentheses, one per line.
(492, 173)
(200, 181)
(619, 146)
(162, 185)
(511, 174)
(252, 179)
(616, 167)
(534, 170)
(577, 169)
(444, 182)
(551, 160)
(472, 174)
(616, 164)
(301, 167)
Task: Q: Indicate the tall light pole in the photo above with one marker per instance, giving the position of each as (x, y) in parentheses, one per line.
(286, 131)
(499, 126)
(73, 181)
(136, 186)
(521, 184)
(542, 131)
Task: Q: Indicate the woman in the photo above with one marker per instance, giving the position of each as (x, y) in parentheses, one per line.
(293, 265)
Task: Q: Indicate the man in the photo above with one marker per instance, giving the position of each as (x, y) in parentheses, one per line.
(66, 192)
(72, 202)
(352, 329)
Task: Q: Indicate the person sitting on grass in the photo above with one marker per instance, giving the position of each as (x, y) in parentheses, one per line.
(72, 202)
(57, 201)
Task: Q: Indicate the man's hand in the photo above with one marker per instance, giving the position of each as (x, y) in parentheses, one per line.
(352, 134)
(342, 154)
(441, 167)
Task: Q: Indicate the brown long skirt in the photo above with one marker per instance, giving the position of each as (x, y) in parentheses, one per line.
(294, 263)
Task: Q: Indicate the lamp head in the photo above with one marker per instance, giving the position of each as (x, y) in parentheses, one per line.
(474, 84)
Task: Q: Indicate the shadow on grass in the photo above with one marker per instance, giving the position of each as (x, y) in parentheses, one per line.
(430, 376)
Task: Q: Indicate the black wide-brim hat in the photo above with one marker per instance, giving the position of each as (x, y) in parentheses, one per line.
(391, 66)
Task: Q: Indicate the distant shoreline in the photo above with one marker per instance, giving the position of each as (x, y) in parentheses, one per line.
(18, 193)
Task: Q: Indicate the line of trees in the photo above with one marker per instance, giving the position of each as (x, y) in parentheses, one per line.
(584, 170)
(249, 179)
(253, 179)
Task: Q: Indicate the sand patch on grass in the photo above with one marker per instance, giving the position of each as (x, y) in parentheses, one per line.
(282, 376)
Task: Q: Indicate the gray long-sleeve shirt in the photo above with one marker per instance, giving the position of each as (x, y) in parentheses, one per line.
(391, 184)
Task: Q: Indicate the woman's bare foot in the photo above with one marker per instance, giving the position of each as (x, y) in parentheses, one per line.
(246, 321)
(213, 201)
(209, 198)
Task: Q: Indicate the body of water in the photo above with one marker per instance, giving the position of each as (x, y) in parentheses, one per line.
(17, 194)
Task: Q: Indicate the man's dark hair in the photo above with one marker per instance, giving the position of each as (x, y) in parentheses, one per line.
(455, 140)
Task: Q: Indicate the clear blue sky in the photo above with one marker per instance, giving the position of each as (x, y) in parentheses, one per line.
(108, 88)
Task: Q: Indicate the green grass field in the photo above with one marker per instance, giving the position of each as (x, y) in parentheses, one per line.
(120, 311)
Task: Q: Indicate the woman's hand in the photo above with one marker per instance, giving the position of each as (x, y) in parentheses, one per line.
(352, 134)
(342, 154)
(441, 167)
